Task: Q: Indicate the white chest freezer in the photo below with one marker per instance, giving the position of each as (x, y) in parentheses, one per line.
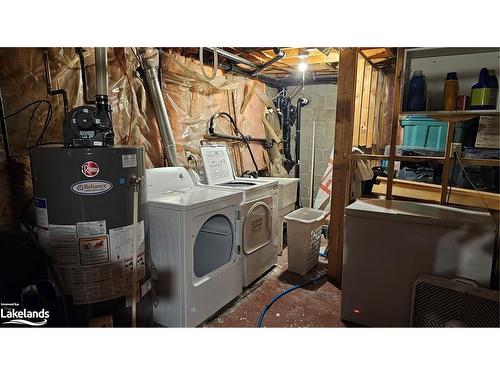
(388, 244)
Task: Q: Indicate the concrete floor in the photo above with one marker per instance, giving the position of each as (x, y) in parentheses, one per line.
(316, 305)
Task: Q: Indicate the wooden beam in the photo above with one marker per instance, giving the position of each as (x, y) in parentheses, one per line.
(396, 108)
(432, 193)
(434, 159)
(377, 116)
(447, 161)
(359, 95)
(371, 108)
(341, 162)
(365, 105)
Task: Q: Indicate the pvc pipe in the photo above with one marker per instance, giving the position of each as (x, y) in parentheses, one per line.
(313, 155)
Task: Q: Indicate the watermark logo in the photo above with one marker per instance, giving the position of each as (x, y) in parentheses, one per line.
(12, 314)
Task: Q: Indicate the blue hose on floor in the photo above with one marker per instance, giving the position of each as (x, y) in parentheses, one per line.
(277, 297)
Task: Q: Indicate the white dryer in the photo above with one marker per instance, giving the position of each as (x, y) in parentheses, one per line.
(259, 206)
(194, 245)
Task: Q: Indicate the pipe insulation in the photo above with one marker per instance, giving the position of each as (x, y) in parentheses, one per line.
(153, 86)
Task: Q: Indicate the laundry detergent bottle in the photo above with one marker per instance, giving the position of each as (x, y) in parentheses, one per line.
(484, 93)
(417, 93)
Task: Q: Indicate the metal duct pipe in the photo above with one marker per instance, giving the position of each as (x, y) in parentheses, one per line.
(101, 90)
(153, 85)
(101, 71)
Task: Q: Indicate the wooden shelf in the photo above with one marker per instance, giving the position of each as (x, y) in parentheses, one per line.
(437, 159)
(432, 193)
(451, 116)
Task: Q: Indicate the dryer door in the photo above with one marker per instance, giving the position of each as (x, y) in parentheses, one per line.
(257, 224)
(213, 246)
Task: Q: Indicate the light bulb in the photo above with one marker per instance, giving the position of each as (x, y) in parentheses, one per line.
(302, 66)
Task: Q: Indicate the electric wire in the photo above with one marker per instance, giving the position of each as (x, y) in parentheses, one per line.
(470, 182)
(260, 322)
(48, 118)
(26, 106)
(30, 123)
(452, 177)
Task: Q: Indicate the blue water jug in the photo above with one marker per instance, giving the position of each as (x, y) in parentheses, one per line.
(417, 93)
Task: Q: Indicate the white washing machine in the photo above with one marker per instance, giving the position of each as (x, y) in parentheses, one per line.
(259, 209)
(194, 245)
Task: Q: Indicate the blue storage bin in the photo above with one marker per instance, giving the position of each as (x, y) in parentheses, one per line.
(424, 132)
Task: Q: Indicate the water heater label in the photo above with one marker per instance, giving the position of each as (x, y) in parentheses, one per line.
(129, 161)
(93, 250)
(90, 169)
(91, 187)
(121, 241)
(91, 228)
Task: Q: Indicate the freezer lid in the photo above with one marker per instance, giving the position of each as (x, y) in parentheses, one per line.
(217, 164)
(423, 213)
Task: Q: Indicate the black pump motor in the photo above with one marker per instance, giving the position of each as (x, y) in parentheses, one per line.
(85, 127)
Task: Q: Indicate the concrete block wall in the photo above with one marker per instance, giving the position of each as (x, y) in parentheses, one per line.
(320, 110)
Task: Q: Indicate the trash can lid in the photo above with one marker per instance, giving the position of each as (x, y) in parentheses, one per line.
(306, 215)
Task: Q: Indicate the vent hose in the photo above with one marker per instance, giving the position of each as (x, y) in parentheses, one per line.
(214, 69)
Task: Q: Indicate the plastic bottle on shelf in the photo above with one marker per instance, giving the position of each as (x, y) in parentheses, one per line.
(417, 93)
(484, 93)
(494, 84)
(450, 91)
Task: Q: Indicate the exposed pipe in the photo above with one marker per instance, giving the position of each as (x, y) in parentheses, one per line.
(313, 164)
(101, 73)
(153, 85)
(232, 57)
(48, 80)
(276, 58)
(270, 81)
(86, 99)
(287, 117)
(301, 102)
(311, 80)
(256, 69)
(101, 91)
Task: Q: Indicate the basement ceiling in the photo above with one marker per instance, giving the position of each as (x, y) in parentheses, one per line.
(321, 61)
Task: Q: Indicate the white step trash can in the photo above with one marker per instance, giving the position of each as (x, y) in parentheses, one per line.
(304, 238)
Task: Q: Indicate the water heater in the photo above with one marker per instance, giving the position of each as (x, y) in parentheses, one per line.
(90, 209)
(84, 202)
